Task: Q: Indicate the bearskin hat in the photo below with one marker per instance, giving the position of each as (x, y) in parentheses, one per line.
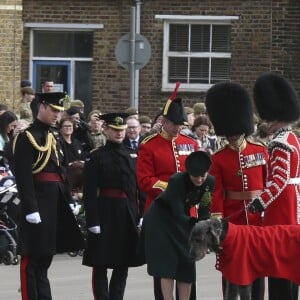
(276, 99)
(230, 109)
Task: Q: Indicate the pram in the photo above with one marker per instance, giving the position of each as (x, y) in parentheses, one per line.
(80, 218)
(8, 226)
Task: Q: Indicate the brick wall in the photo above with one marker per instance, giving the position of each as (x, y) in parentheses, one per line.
(265, 38)
(11, 34)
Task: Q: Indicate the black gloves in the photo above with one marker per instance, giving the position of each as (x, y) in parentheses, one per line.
(255, 206)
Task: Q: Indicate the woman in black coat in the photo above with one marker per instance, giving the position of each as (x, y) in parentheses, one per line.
(110, 195)
(167, 225)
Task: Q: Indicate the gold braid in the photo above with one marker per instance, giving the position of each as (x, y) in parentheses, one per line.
(49, 145)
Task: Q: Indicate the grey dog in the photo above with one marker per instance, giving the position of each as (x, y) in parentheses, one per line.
(208, 235)
(246, 252)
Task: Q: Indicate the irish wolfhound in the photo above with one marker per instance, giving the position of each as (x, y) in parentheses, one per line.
(246, 252)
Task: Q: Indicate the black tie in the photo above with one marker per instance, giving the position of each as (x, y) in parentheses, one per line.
(134, 145)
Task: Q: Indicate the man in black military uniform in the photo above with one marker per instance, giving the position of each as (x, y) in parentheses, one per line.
(110, 193)
(47, 223)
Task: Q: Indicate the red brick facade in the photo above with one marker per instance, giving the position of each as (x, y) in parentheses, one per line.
(265, 38)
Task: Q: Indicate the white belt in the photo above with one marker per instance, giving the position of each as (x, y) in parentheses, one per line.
(295, 180)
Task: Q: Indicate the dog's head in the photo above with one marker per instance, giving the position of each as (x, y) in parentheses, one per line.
(206, 235)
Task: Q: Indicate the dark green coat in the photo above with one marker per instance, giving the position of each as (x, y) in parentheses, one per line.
(166, 228)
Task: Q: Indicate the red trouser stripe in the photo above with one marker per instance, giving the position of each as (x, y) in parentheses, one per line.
(93, 282)
(23, 267)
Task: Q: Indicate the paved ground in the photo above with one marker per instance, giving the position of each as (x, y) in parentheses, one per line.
(71, 281)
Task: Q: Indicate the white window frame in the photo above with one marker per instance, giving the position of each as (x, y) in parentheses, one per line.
(178, 19)
(59, 27)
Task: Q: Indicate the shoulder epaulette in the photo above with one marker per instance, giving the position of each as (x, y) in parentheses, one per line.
(148, 138)
(280, 141)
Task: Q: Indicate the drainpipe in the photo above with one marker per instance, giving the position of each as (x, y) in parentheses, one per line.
(138, 4)
(132, 58)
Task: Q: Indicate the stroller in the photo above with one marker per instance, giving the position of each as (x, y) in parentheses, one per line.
(8, 226)
(80, 218)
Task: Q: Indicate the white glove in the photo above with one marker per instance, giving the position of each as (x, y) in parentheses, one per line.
(95, 229)
(75, 208)
(33, 218)
(140, 223)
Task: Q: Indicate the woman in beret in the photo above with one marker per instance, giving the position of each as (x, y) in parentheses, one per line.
(167, 225)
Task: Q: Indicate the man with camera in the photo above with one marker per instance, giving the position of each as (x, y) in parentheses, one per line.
(82, 130)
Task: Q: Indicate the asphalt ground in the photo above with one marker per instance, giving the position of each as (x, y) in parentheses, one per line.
(70, 280)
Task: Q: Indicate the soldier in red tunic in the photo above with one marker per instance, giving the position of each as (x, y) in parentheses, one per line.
(278, 103)
(239, 167)
(163, 154)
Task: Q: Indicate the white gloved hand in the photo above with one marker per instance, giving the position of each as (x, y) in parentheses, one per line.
(75, 208)
(33, 218)
(140, 223)
(95, 229)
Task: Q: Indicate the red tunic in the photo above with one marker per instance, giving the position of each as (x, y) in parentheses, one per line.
(238, 172)
(158, 159)
(281, 196)
(250, 252)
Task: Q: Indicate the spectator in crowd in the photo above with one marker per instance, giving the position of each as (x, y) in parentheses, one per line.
(25, 83)
(95, 124)
(21, 125)
(78, 104)
(156, 124)
(278, 104)
(187, 129)
(110, 195)
(82, 130)
(132, 112)
(73, 151)
(133, 130)
(201, 129)
(199, 109)
(145, 122)
(8, 123)
(28, 95)
(263, 134)
(48, 86)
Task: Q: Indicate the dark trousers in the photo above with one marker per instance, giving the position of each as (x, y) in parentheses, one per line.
(34, 277)
(158, 292)
(282, 289)
(114, 290)
(257, 289)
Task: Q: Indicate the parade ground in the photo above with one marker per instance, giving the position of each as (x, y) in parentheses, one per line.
(71, 281)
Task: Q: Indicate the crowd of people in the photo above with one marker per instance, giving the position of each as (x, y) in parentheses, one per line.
(145, 182)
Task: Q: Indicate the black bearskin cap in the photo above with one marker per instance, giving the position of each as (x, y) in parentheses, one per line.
(230, 109)
(276, 99)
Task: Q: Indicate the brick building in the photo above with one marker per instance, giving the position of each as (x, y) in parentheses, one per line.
(196, 42)
(11, 33)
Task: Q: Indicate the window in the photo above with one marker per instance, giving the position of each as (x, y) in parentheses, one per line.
(63, 53)
(197, 52)
(71, 44)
